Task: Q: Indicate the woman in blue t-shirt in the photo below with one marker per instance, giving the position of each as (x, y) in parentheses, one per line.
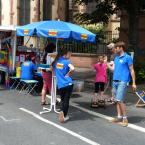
(63, 69)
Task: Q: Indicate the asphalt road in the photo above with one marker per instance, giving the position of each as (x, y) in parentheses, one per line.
(21, 123)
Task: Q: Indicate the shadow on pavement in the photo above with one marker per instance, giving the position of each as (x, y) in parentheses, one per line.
(1, 103)
(75, 115)
(109, 110)
(75, 95)
(136, 119)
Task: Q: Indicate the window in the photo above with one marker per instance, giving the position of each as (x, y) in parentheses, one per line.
(24, 12)
(47, 9)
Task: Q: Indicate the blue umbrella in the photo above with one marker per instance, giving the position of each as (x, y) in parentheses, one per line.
(56, 29)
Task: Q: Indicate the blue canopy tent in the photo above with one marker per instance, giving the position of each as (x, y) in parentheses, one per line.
(56, 30)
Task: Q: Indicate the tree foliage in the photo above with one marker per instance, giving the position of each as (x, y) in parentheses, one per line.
(101, 14)
(105, 8)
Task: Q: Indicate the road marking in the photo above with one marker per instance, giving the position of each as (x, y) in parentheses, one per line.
(132, 126)
(8, 120)
(91, 112)
(60, 127)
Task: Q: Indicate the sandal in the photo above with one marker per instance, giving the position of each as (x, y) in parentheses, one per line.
(94, 104)
(44, 103)
(111, 101)
(101, 103)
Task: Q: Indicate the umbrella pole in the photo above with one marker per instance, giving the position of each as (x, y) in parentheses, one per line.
(56, 45)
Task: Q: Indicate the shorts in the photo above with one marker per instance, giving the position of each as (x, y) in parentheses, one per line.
(47, 80)
(119, 90)
(99, 86)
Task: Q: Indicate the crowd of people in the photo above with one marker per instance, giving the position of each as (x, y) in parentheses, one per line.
(121, 70)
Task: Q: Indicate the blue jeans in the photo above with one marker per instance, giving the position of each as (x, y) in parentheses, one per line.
(119, 90)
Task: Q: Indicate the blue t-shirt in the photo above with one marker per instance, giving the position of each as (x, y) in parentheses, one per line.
(27, 69)
(61, 68)
(121, 70)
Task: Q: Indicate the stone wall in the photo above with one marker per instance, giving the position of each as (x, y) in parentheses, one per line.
(83, 60)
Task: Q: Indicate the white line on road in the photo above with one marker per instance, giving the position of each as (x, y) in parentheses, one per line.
(132, 126)
(60, 127)
(10, 120)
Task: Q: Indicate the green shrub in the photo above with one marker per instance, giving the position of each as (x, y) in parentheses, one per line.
(98, 29)
(140, 72)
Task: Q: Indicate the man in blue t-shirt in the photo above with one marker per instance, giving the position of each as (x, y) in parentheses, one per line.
(123, 71)
(27, 69)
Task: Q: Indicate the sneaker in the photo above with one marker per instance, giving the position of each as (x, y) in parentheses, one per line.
(116, 120)
(61, 117)
(124, 122)
(66, 118)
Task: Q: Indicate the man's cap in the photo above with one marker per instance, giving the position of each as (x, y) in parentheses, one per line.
(111, 46)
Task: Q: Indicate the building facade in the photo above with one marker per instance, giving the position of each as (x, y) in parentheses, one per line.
(20, 12)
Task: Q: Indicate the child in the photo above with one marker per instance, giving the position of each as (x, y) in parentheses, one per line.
(100, 80)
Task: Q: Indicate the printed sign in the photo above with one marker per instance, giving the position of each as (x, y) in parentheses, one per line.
(84, 36)
(26, 32)
(59, 66)
(22, 58)
(52, 33)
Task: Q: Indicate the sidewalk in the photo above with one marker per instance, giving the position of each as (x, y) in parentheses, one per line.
(83, 99)
(87, 75)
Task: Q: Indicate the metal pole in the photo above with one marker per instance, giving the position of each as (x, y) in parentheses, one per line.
(14, 52)
(56, 45)
(52, 99)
